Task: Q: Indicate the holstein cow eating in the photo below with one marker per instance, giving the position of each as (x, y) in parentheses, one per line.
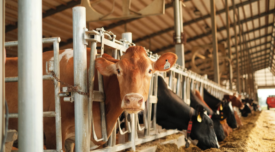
(246, 110)
(174, 113)
(126, 85)
(197, 99)
(236, 103)
(223, 109)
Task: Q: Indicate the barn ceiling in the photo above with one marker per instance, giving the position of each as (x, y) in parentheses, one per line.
(256, 19)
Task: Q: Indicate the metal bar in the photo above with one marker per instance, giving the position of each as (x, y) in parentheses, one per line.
(15, 79)
(229, 45)
(44, 40)
(215, 43)
(179, 86)
(241, 49)
(82, 138)
(155, 105)
(48, 150)
(45, 114)
(91, 84)
(30, 98)
(187, 23)
(57, 98)
(2, 70)
(178, 22)
(236, 48)
(208, 33)
(149, 138)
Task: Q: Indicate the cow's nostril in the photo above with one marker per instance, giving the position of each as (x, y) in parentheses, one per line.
(127, 101)
(140, 101)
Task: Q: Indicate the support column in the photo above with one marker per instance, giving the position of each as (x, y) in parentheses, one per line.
(30, 92)
(215, 42)
(2, 68)
(241, 50)
(178, 35)
(82, 136)
(229, 45)
(236, 48)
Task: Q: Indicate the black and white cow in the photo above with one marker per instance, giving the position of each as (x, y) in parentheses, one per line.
(214, 103)
(195, 101)
(174, 113)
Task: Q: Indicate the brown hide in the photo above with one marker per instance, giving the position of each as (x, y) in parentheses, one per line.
(236, 102)
(112, 101)
(113, 109)
(238, 119)
(227, 130)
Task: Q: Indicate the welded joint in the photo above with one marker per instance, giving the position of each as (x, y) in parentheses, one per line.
(49, 66)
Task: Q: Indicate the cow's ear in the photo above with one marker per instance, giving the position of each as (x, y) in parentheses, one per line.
(165, 62)
(105, 67)
(109, 58)
(200, 113)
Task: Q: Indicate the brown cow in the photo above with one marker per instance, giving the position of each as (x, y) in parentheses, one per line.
(236, 102)
(126, 86)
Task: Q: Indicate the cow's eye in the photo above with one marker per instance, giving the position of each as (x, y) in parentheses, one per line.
(118, 71)
(150, 71)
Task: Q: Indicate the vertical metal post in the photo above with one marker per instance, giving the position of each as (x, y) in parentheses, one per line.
(128, 36)
(241, 49)
(236, 48)
(215, 42)
(82, 136)
(2, 69)
(179, 86)
(57, 98)
(30, 92)
(91, 83)
(178, 37)
(229, 45)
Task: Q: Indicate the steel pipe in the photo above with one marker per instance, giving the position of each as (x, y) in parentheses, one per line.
(215, 42)
(178, 22)
(30, 98)
(82, 136)
(2, 69)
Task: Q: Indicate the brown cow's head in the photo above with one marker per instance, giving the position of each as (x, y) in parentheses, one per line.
(236, 102)
(134, 72)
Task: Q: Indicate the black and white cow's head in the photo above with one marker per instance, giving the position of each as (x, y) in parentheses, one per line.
(229, 114)
(203, 130)
(246, 110)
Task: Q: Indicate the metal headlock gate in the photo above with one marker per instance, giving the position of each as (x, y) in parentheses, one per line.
(185, 81)
(180, 81)
(50, 66)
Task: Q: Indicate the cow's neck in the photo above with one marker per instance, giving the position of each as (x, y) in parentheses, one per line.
(113, 102)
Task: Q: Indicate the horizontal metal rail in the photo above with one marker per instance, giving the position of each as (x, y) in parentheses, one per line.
(45, 114)
(44, 40)
(139, 141)
(15, 79)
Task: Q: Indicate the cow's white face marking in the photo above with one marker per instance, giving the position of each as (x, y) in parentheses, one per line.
(230, 106)
(68, 53)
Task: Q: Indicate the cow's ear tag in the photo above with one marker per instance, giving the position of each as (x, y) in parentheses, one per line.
(167, 65)
(199, 118)
(220, 106)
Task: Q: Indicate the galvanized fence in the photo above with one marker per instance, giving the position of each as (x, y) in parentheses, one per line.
(180, 80)
(51, 66)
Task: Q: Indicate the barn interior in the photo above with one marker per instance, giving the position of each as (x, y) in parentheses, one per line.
(236, 52)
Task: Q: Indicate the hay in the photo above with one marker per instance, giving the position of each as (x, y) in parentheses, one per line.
(256, 134)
